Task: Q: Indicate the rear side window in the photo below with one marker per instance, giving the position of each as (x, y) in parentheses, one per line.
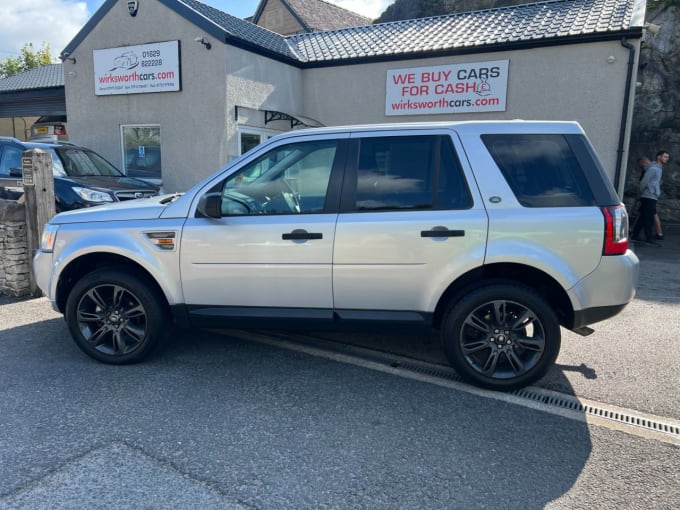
(409, 172)
(541, 170)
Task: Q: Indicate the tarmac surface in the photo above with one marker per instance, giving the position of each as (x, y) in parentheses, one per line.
(220, 422)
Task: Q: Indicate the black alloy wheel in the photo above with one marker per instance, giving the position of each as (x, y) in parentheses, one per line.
(501, 336)
(115, 317)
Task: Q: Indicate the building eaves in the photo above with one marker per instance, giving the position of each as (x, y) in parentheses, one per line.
(233, 29)
(520, 25)
(549, 22)
(44, 77)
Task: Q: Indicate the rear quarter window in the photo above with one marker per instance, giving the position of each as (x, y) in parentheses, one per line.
(541, 170)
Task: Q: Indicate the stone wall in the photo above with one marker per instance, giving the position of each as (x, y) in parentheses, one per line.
(15, 261)
(656, 116)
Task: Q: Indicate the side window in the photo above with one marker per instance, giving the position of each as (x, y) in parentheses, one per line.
(403, 173)
(11, 158)
(291, 179)
(541, 170)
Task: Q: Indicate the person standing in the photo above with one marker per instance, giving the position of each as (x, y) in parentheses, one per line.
(650, 190)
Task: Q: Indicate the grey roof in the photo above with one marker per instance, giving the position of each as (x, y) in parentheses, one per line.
(543, 23)
(317, 15)
(236, 29)
(519, 24)
(45, 77)
(320, 15)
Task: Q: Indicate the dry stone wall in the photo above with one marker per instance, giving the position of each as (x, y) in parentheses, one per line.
(15, 260)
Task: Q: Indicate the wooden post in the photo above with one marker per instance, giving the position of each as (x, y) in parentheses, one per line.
(36, 169)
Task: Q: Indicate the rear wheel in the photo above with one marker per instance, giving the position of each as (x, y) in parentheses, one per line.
(116, 317)
(501, 336)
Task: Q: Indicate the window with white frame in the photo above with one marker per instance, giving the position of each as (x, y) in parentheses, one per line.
(249, 137)
(141, 145)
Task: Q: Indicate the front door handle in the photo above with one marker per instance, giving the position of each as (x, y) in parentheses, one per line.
(301, 235)
(442, 232)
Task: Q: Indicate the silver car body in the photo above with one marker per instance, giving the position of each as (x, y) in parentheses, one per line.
(373, 261)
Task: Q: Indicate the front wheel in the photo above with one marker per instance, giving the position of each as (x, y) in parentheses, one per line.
(116, 317)
(501, 336)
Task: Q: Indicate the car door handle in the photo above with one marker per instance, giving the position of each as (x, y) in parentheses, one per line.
(442, 232)
(301, 235)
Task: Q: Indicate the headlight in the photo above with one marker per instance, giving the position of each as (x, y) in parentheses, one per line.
(48, 238)
(91, 195)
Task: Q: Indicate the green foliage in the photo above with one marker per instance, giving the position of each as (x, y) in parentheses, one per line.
(28, 59)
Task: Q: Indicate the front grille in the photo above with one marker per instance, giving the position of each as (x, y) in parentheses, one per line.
(132, 194)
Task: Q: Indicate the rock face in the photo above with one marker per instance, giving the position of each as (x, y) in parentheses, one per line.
(656, 117)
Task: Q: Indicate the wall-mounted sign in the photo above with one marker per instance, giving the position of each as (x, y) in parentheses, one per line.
(27, 171)
(456, 88)
(139, 69)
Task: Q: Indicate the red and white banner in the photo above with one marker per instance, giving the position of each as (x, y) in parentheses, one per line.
(457, 88)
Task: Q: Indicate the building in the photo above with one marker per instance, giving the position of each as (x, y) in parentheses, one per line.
(175, 89)
(26, 96)
(288, 17)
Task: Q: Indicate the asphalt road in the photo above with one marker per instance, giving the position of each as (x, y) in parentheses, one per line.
(218, 420)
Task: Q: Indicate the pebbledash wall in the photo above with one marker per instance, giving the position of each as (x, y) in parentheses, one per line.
(224, 91)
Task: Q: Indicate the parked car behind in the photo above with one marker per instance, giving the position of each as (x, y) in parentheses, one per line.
(49, 126)
(82, 178)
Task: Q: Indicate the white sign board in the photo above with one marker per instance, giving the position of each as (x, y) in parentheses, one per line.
(456, 88)
(139, 69)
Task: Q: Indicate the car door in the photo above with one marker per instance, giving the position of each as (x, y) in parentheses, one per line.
(410, 223)
(269, 254)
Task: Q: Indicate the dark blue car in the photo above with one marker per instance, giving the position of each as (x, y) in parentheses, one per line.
(82, 178)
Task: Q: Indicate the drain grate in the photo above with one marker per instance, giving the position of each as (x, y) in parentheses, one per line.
(533, 394)
(560, 400)
(617, 415)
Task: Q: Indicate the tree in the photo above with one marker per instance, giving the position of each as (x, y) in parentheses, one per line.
(28, 59)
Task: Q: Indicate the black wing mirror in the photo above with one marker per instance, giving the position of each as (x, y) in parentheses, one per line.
(15, 172)
(210, 206)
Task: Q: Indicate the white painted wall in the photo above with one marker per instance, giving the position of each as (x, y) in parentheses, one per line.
(192, 121)
(199, 130)
(570, 82)
(255, 84)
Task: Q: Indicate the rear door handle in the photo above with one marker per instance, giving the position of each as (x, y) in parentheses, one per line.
(301, 235)
(442, 232)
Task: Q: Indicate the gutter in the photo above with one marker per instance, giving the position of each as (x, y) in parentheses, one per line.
(624, 114)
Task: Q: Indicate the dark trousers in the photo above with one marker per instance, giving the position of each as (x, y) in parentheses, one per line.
(646, 220)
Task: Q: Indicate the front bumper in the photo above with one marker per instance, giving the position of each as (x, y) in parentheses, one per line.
(42, 272)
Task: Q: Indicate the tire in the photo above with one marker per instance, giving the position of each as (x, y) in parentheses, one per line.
(501, 336)
(116, 317)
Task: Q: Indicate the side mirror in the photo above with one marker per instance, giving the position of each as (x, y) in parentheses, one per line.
(15, 172)
(210, 205)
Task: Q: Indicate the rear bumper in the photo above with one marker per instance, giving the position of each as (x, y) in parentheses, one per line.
(606, 291)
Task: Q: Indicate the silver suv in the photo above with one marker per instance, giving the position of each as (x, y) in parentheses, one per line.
(494, 233)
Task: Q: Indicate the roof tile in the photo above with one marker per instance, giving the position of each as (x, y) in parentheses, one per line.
(44, 77)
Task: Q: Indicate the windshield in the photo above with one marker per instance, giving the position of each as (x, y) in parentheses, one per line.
(77, 162)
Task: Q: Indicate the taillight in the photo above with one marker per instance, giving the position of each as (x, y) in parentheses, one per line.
(59, 130)
(615, 230)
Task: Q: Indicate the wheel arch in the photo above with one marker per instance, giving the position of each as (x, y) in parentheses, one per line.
(540, 282)
(85, 264)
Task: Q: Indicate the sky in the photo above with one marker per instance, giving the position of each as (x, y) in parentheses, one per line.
(56, 22)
